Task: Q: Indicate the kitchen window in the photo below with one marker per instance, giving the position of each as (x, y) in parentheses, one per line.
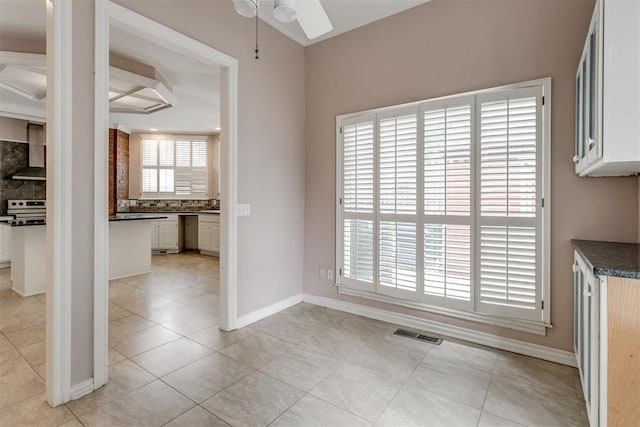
(174, 167)
(443, 205)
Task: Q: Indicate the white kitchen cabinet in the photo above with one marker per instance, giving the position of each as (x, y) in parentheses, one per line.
(166, 235)
(586, 334)
(607, 86)
(607, 344)
(5, 246)
(209, 234)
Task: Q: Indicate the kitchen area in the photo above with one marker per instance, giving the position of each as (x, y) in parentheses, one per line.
(164, 162)
(138, 227)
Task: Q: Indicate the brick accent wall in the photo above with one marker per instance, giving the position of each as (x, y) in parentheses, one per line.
(122, 166)
(118, 168)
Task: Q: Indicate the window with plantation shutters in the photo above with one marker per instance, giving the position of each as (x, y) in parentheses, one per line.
(447, 239)
(509, 220)
(357, 201)
(397, 200)
(174, 167)
(441, 205)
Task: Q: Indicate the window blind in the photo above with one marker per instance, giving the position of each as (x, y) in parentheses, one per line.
(447, 277)
(440, 202)
(510, 218)
(397, 183)
(174, 167)
(357, 201)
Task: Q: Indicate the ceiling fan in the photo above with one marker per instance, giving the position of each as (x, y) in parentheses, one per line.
(309, 13)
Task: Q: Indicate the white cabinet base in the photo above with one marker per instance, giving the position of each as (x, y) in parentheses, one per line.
(129, 248)
(29, 256)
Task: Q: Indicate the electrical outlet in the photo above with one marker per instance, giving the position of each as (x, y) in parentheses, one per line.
(323, 273)
(244, 209)
(330, 274)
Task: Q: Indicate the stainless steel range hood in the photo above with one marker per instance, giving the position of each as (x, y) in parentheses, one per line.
(36, 170)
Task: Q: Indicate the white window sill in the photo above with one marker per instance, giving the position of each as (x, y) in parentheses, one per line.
(532, 327)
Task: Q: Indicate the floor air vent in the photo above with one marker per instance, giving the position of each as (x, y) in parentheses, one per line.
(417, 336)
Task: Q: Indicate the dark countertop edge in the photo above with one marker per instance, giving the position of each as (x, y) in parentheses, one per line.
(599, 268)
(171, 213)
(136, 217)
(20, 225)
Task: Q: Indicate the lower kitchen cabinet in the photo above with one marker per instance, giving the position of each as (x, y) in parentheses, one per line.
(607, 344)
(166, 235)
(209, 234)
(5, 246)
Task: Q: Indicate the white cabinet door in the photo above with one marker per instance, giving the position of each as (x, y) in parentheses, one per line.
(587, 333)
(215, 237)
(592, 344)
(5, 243)
(154, 236)
(168, 235)
(204, 236)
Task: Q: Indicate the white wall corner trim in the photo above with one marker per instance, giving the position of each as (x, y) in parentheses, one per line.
(82, 388)
(101, 203)
(254, 316)
(59, 196)
(477, 337)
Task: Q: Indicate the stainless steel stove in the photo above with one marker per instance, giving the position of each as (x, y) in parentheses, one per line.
(27, 211)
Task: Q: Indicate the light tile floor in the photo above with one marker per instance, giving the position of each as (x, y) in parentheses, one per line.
(308, 365)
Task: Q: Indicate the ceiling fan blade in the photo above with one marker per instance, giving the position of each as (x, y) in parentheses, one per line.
(312, 18)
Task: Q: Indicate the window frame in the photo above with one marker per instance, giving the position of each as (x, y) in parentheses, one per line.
(174, 139)
(536, 326)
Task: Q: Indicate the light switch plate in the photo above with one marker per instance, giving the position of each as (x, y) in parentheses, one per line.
(330, 274)
(244, 209)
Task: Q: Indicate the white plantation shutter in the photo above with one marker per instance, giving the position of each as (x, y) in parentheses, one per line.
(149, 180)
(440, 205)
(180, 167)
(447, 237)
(149, 152)
(357, 200)
(510, 218)
(398, 199)
(183, 154)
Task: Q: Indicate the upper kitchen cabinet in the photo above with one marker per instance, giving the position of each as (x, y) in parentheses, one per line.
(608, 92)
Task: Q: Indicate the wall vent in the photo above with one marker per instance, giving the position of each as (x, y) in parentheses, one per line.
(417, 336)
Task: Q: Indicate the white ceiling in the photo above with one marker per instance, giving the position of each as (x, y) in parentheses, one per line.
(195, 86)
(26, 18)
(345, 15)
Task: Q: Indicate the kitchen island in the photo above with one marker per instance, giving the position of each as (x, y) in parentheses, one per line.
(129, 250)
(28, 257)
(130, 244)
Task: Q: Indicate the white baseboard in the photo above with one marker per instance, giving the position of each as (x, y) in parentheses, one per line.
(483, 338)
(260, 314)
(82, 388)
(22, 294)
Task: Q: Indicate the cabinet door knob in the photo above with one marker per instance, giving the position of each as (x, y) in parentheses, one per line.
(576, 159)
(592, 143)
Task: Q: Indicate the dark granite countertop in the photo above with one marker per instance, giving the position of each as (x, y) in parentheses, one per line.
(610, 258)
(136, 216)
(208, 211)
(14, 223)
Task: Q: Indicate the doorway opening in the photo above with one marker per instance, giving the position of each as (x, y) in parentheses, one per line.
(153, 93)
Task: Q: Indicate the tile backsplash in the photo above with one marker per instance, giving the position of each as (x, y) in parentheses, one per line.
(166, 205)
(13, 157)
